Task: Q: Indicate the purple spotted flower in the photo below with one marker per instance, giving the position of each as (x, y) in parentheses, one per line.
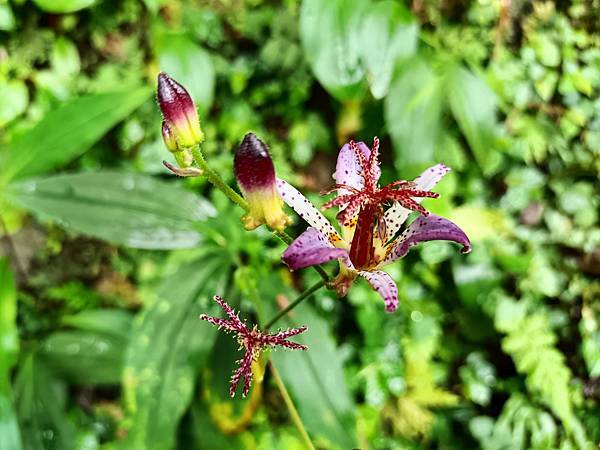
(255, 175)
(253, 340)
(370, 237)
(181, 123)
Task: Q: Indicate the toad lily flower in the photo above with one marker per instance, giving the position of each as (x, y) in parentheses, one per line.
(253, 340)
(255, 176)
(370, 238)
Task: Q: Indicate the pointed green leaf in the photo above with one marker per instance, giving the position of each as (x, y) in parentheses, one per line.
(389, 33)
(316, 381)
(123, 208)
(474, 107)
(94, 352)
(9, 347)
(40, 400)
(168, 344)
(331, 38)
(412, 115)
(69, 131)
(63, 6)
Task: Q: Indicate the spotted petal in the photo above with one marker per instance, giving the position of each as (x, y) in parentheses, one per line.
(397, 214)
(311, 248)
(348, 170)
(307, 211)
(429, 228)
(385, 286)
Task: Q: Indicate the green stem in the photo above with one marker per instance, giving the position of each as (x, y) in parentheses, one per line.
(291, 407)
(216, 180)
(307, 293)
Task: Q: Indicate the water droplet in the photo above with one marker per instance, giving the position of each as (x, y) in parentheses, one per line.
(416, 316)
(73, 349)
(101, 347)
(48, 434)
(128, 184)
(30, 187)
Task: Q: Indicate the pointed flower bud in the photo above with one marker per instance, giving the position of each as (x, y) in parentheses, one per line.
(255, 175)
(179, 112)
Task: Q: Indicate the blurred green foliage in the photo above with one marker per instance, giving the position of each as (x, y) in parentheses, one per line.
(100, 346)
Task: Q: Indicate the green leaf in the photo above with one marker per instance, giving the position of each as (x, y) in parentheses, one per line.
(331, 38)
(389, 33)
(546, 85)
(84, 357)
(316, 380)
(123, 208)
(480, 223)
(9, 347)
(154, 5)
(206, 434)
(190, 65)
(520, 426)
(168, 345)
(546, 50)
(112, 322)
(412, 116)
(7, 18)
(94, 353)
(69, 131)
(474, 107)
(530, 342)
(65, 58)
(40, 400)
(63, 6)
(14, 102)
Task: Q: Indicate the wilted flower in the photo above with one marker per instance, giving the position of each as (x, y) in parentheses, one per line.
(369, 239)
(255, 175)
(252, 340)
(179, 113)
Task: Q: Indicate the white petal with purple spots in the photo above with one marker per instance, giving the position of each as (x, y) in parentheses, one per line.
(307, 211)
(396, 215)
(348, 170)
(385, 287)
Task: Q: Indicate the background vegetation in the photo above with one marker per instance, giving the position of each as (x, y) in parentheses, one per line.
(110, 260)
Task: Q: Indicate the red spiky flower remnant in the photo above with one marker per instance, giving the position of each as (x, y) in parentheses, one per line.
(253, 340)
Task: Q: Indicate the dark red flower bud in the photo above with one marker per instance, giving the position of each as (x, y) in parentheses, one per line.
(179, 112)
(255, 174)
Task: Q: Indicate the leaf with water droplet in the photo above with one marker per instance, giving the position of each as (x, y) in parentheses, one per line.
(123, 208)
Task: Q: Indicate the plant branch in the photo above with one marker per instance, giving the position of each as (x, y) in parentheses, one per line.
(217, 181)
(291, 408)
(307, 293)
